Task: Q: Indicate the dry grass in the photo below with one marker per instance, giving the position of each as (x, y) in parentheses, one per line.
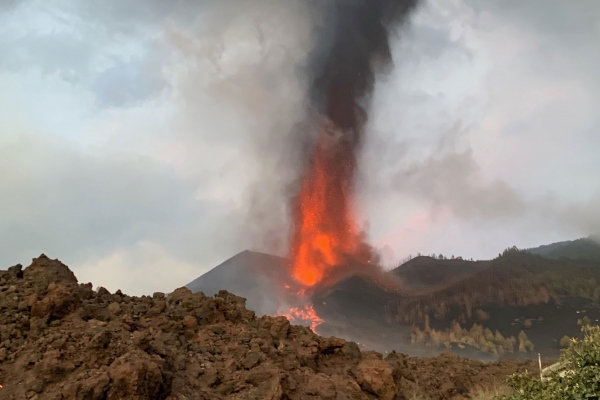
(417, 395)
(489, 392)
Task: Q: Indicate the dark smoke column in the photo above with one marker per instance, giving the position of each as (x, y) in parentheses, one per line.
(360, 46)
(325, 229)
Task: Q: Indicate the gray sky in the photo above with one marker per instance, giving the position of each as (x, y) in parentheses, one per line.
(143, 142)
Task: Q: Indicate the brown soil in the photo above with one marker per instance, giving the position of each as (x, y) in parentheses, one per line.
(62, 340)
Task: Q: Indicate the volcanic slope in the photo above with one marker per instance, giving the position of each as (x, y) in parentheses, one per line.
(519, 304)
(258, 277)
(59, 339)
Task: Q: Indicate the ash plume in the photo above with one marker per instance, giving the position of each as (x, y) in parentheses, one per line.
(358, 46)
(255, 71)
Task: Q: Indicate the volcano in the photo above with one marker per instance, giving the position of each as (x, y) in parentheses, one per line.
(355, 305)
(362, 293)
(517, 304)
(248, 274)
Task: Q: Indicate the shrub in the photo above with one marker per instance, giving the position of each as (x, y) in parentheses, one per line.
(580, 378)
(565, 342)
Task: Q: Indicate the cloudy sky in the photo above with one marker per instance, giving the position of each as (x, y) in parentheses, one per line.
(144, 142)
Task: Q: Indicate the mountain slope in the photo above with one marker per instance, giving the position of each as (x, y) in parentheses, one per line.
(251, 275)
(584, 248)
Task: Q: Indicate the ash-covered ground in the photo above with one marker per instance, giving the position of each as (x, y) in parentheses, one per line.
(60, 339)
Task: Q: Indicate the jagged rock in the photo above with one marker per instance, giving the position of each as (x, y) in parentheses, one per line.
(321, 386)
(62, 340)
(375, 376)
(351, 350)
(16, 271)
(190, 322)
(44, 271)
(59, 302)
(134, 378)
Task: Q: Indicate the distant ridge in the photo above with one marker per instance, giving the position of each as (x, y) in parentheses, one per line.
(579, 249)
(426, 272)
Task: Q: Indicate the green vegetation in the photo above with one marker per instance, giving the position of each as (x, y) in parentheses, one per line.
(565, 342)
(515, 278)
(584, 248)
(579, 378)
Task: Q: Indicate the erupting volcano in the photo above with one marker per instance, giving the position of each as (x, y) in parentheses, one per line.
(326, 233)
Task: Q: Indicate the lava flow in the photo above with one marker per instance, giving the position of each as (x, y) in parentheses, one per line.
(306, 314)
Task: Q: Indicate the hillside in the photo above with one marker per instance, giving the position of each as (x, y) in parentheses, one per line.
(62, 340)
(523, 303)
(426, 272)
(584, 248)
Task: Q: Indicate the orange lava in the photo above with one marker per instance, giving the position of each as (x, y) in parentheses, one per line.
(325, 230)
(306, 314)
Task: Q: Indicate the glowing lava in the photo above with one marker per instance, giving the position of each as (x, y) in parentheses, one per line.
(324, 228)
(306, 314)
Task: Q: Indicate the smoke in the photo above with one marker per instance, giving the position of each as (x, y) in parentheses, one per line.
(243, 88)
(583, 216)
(359, 46)
(450, 178)
(265, 76)
(355, 46)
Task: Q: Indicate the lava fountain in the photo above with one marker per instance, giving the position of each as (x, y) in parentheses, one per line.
(326, 234)
(325, 225)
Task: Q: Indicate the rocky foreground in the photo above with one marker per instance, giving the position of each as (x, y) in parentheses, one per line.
(62, 340)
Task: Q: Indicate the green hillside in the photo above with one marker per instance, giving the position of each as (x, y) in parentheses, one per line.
(580, 249)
